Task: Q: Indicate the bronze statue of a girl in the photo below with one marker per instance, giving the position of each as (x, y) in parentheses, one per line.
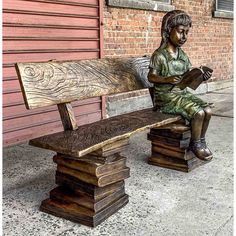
(168, 63)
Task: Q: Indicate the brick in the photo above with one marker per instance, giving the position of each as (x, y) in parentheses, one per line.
(210, 40)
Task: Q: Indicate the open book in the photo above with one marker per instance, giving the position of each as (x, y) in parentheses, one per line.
(193, 77)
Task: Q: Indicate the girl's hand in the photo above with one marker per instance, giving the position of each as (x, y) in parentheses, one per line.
(207, 75)
(173, 79)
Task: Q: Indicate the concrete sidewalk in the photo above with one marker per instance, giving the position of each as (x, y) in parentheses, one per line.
(162, 202)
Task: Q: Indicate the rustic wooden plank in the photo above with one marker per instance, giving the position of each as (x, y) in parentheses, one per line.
(67, 116)
(50, 83)
(91, 137)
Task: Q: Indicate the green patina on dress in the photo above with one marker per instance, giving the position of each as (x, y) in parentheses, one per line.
(169, 98)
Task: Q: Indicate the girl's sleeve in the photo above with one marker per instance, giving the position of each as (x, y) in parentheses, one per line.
(156, 62)
(189, 64)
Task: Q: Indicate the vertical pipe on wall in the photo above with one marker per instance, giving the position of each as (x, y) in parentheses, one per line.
(101, 27)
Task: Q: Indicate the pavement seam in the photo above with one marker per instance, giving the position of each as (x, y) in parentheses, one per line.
(219, 93)
(225, 116)
(223, 225)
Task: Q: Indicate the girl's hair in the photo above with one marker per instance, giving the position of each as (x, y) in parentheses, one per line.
(171, 20)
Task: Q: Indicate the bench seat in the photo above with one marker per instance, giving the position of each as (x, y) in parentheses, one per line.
(91, 137)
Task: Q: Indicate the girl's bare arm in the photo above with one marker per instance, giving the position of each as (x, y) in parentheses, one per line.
(153, 77)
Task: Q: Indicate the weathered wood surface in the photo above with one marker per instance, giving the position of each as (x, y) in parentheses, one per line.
(100, 181)
(67, 116)
(91, 165)
(174, 163)
(50, 83)
(78, 214)
(91, 137)
(97, 193)
(64, 194)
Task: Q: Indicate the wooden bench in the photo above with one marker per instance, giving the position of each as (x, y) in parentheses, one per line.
(90, 169)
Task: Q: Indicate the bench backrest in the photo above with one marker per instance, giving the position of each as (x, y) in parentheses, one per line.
(50, 83)
(61, 82)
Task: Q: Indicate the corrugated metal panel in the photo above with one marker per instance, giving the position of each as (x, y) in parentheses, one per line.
(225, 5)
(42, 30)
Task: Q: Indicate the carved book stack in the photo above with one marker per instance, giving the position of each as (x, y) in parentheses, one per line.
(170, 148)
(90, 188)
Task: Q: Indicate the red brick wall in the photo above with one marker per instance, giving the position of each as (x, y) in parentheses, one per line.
(131, 32)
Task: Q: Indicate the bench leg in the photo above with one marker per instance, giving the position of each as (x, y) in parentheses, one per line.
(170, 148)
(91, 188)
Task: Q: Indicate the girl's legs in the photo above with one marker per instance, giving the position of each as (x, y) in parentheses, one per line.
(197, 125)
(207, 118)
(205, 124)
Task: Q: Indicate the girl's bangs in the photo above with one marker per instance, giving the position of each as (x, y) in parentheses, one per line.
(182, 20)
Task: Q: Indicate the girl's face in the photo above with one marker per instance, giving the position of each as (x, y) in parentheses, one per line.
(178, 35)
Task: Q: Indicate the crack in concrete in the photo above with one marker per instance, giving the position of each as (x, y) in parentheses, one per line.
(225, 116)
(220, 93)
(222, 226)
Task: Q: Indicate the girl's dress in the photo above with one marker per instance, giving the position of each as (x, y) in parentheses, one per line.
(167, 97)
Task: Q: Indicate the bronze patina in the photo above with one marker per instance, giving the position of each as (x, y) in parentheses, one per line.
(168, 63)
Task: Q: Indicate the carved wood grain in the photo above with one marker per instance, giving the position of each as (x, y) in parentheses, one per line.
(91, 137)
(50, 83)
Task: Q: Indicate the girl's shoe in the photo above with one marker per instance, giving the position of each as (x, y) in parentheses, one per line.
(203, 141)
(199, 151)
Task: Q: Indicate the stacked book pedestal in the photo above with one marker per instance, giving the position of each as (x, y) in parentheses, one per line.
(170, 148)
(90, 189)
